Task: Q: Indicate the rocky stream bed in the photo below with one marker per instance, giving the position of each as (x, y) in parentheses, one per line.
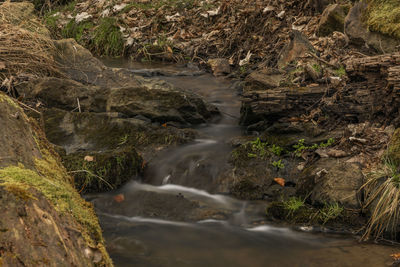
(265, 133)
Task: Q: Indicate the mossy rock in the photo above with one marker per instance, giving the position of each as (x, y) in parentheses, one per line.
(36, 193)
(383, 16)
(393, 152)
(103, 171)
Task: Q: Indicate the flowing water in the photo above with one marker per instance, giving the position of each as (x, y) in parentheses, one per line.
(180, 216)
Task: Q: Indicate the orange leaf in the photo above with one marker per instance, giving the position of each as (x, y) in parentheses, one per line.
(119, 198)
(280, 181)
(89, 158)
(395, 256)
(164, 125)
(144, 164)
(170, 50)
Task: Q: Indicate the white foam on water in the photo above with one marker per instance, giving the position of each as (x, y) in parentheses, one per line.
(172, 188)
(139, 219)
(269, 229)
(213, 221)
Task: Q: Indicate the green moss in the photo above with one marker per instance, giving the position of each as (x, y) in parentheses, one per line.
(340, 71)
(20, 190)
(107, 38)
(384, 16)
(53, 182)
(9, 100)
(78, 31)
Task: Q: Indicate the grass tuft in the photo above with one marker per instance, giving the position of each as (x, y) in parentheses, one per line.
(382, 191)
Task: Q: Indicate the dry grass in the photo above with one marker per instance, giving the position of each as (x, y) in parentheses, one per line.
(382, 191)
(23, 52)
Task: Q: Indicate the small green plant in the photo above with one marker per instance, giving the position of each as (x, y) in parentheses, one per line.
(317, 68)
(293, 204)
(340, 71)
(275, 149)
(330, 212)
(278, 164)
(300, 146)
(123, 139)
(258, 148)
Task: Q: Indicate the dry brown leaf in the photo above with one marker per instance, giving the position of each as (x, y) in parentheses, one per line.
(2, 65)
(119, 198)
(89, 158)
(280, 181)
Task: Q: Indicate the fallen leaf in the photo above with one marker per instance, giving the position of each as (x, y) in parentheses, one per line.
(395, 256)
(164, 125)
(2, 65)
(280, 181)
(144, 164)
(170, 50)
(89, 158)
(119, 198)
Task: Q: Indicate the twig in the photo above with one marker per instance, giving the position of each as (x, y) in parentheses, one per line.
(79, 105)
(92, 174)
(321, 60)
(28, 107)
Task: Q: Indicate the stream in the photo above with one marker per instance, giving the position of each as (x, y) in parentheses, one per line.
(180, 215)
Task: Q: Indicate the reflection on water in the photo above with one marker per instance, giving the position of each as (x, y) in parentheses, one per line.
(177, 219)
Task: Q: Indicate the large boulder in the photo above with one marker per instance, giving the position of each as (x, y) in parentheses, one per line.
(332, 19)
(44, 220)
(332, 181)
(359, 34)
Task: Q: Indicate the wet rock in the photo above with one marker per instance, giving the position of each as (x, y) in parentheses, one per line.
(298, 46)
(330, 181)
(359, 34)
(160, 102)
(219, 66)
(95, 171)
(89, 131)
(165, 206)
(332, 19)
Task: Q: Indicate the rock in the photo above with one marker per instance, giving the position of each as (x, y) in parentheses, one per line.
(160, 102)
(265, 78)
(38, 199)
(219, 66)
(298, 46)
(332, 19)
(359, 34)
(65, 93)
(88, 131)
(330, 181)
(107, 170)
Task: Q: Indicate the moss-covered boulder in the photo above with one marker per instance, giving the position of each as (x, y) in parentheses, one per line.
(105, 170)
(363, 15)
(44, 221)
